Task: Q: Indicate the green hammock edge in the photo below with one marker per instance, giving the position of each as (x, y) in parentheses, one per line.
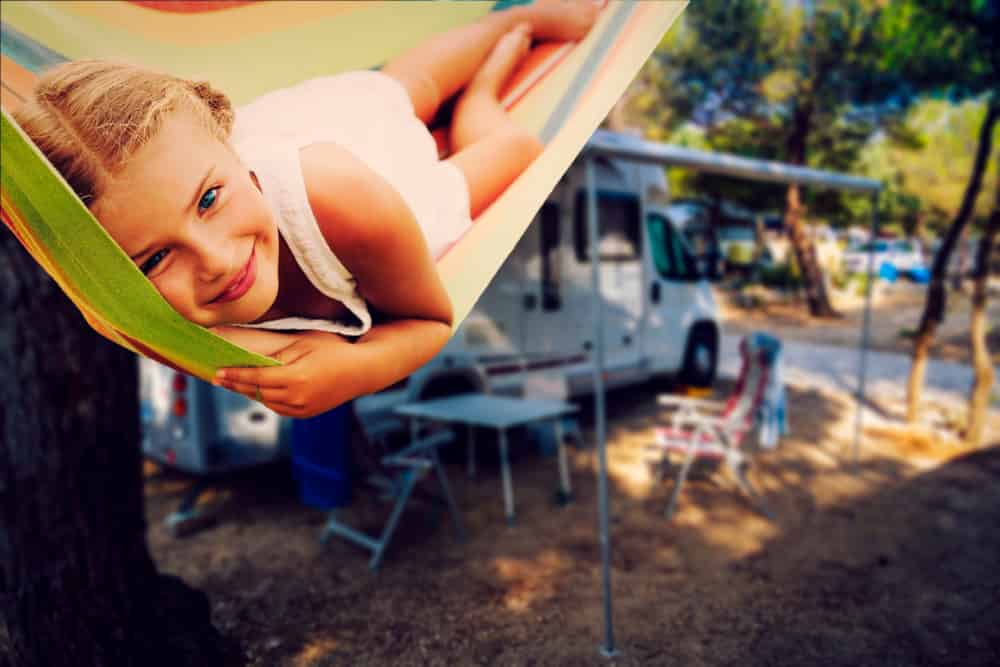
(72, 239)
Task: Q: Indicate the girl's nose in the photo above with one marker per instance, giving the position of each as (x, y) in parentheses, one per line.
(214, 259)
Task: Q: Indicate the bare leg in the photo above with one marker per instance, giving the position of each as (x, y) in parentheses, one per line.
(490, 150)
(437, 69)
(492, 164)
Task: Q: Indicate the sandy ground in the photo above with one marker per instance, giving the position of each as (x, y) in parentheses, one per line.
(891, 561)
(896, 309)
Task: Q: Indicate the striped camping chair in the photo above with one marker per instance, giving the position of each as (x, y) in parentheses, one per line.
(701, 429)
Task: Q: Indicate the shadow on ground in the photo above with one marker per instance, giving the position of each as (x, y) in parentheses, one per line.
(886, 562)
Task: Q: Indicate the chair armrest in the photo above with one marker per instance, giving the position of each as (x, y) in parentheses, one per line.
(671, 401)
(723, 427)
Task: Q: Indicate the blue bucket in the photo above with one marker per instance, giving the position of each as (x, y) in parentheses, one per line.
(321, 458)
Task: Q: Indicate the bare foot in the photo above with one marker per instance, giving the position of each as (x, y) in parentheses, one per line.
(562, 20)
(502, 61)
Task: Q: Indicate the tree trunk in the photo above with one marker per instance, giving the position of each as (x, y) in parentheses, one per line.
(982, 365)
(77, 584)
(813, 281)
(936, 302)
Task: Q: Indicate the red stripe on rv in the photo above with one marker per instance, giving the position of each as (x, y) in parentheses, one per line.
(503, 369)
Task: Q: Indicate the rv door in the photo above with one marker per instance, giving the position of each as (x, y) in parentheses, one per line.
(620, 250)
(678, 297)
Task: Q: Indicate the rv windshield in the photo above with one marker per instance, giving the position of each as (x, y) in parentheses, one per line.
(671, 254)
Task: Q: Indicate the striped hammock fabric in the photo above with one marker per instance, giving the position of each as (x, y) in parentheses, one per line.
(562, 93)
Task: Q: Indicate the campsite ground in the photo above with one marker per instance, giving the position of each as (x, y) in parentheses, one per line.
(896, 311)
(890, 561)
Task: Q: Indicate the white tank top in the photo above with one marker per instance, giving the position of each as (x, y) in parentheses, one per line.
(370, 115)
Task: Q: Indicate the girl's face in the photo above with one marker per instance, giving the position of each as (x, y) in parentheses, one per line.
(189, 214)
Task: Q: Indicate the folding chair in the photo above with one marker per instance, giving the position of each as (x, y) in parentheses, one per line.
(701, 429)
(400, 473)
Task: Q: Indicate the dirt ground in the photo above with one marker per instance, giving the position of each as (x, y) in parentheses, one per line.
(891, 561)
(896, 310)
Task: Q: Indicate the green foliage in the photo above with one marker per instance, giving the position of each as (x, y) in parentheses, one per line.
(946, 45)
(751, 138)
(719, 49)
(932, 175)
(769, 79)
(783, 276)
(830, 84)
(840, 280)
(893, 229)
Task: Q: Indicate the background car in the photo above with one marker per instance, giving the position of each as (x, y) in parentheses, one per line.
(905, 256)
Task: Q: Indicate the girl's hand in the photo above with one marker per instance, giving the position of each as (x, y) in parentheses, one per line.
(315, 376)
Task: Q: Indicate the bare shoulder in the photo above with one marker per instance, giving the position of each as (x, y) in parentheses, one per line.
(352, 204)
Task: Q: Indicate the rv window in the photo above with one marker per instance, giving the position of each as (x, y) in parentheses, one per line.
(670, 254)
(618, 219)
(548, 227)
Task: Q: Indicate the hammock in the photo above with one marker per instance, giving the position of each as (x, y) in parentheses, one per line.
(562, 92)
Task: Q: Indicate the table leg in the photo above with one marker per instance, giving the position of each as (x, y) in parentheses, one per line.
(565, 490)
(508, 489)
(471, 452)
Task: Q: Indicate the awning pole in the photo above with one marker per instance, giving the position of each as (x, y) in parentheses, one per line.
(865, 331)
(608, 648)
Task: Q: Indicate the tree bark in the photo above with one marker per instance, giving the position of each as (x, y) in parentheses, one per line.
(813, 282)
(77, 583)
(982, 365)
(934, 306)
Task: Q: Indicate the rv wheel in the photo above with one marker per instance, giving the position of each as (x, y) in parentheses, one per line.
(700, 357)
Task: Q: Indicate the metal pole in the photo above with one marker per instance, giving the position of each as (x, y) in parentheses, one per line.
(608, 648)
(865, 331)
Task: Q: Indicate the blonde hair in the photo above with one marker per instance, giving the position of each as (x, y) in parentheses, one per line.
(89, 117)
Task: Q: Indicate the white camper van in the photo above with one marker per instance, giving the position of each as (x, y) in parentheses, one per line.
(536, 316)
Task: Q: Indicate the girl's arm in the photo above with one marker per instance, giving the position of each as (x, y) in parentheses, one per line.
(374, 233)
(322, 370)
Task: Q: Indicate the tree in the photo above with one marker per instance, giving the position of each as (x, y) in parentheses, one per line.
(948, 46)
(979, 397)
(77, 582)
(795, 71)
(926, 172)
(932, 167)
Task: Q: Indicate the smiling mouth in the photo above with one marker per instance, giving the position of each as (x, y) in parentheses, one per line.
(241, 283)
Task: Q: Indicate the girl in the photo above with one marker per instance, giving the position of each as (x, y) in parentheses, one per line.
(317, 209)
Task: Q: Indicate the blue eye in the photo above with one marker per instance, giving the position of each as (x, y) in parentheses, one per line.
(152, 262)
(208, 199)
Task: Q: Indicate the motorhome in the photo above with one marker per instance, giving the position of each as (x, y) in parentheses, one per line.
(535, 317)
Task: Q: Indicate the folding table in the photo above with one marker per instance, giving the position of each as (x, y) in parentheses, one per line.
(500, 413)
